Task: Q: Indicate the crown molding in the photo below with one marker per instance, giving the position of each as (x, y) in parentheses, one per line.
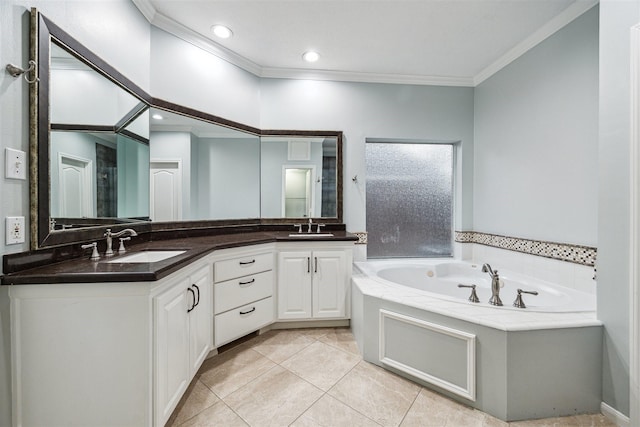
(146, 8)
(348, 76)
(565, 17)
(169, 25)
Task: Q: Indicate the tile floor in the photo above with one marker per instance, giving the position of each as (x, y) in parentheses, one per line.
(316, 377)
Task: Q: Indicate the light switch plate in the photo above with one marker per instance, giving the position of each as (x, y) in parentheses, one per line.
(15, 164)
(14, 230)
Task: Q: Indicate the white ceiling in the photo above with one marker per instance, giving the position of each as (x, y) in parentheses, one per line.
(448, 42)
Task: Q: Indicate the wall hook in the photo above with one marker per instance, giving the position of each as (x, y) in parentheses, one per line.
(355, 178)
(16, 71)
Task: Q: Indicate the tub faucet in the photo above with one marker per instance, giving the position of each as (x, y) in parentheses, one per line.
(495, 285)
(109, 235)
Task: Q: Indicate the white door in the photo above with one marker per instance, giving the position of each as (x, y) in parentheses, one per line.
(297, 191)
(172, 349)
(294, 285)
(76, 191)
(200, 319)
(165, 189)
(329, 284)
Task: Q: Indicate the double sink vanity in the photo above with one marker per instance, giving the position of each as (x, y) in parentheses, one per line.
(118, 340)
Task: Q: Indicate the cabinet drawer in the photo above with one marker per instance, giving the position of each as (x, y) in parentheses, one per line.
(242, 266)
(243, 320)
(243, 290)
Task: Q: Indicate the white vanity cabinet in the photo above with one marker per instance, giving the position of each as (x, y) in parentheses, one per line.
(313, 281)
(117, 353)
(243, 292)
(183, 337)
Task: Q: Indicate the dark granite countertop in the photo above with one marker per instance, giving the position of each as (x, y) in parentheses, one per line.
(83, 270)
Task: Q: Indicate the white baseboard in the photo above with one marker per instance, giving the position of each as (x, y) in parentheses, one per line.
(615, 416)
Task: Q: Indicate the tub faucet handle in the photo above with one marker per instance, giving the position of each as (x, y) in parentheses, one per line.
(519, 302)
(473, 297)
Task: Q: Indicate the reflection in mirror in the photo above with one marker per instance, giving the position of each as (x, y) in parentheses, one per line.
(200, 170)
(97, 175)
(299, 177)
(81, 96)
(98, 146)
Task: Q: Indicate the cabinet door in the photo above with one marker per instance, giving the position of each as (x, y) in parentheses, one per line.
(200, 319)
(294, 285)
(172, 349)
(329, 284)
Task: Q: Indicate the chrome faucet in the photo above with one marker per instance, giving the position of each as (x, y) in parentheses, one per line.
(310, 224)
(495, 285)
(109, 235)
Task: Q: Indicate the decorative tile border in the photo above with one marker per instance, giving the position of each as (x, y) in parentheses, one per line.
(577, 254)
(362, 237)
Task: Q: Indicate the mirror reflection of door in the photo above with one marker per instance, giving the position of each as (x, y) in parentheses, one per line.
(165, 189)
(297, 193)
(75, 187)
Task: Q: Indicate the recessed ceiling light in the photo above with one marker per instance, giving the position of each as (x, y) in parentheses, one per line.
(157, 117)
(310, 56)
(221, 31)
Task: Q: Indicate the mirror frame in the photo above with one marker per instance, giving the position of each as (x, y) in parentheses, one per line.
(42, 32)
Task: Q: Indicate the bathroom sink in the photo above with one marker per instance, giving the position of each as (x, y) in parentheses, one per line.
(305, 235)
(146, 257)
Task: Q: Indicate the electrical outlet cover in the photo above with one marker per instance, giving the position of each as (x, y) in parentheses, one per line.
(15, 164)
(14, 230)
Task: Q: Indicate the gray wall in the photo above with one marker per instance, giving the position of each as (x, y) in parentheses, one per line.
(616, 19)
(536, 139)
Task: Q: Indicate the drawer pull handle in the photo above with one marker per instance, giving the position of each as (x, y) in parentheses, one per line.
(198, 300)
(194, 300)
(247, 312)
(247, 283)
(247, 262)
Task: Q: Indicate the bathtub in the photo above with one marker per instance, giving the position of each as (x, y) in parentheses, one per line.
(440, 279)
(410, 317)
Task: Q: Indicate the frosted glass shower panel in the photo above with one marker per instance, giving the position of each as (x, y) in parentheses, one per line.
(409, 199)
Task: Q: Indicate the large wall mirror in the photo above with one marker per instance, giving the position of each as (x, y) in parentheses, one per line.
(104, 153)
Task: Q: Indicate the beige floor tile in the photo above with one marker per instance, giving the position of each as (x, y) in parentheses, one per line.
(276, 398)
(381, 395)
(229, 371)
(329, 412)
(315, 333)
(321, 364)
(217, 415)
(196, 399)
(341, 338)
(279, 345)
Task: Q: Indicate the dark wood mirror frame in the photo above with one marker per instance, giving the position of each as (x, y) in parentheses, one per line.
(42, 32)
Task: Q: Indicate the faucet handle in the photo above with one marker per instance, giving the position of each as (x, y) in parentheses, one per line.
(107, 233)
(474, 296)
(519, 302)
(320, 225)
(299, 227)
(94, 254)
(121, 249)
